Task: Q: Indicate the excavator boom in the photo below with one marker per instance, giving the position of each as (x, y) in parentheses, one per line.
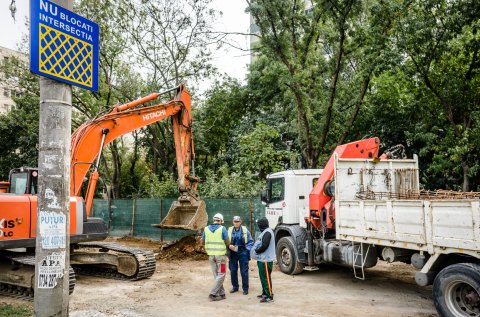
(88, 141)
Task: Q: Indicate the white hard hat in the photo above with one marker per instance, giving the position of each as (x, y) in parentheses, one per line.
(218, 216)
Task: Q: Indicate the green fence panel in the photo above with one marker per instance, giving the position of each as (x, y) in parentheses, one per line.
(100, 209)
(258, 212)
(147, 212)
(135, 217)
(122, 217)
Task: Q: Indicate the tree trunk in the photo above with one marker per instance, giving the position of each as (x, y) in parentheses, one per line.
(333, 89)
(133, 163)
(309, 153)
(116, 171)
(466, 182)
(355, 112)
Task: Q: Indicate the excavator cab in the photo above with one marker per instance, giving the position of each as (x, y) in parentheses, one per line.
(23, 180)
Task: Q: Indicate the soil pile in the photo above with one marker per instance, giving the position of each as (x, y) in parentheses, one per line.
(189, 247)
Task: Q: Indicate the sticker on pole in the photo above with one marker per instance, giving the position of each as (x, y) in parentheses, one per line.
(63, 45)
(53, 230)
(51, 268)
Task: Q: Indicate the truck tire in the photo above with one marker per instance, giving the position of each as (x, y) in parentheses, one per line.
(456, 290)
(287, 257)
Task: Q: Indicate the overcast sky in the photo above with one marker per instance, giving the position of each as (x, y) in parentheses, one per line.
(228, 60)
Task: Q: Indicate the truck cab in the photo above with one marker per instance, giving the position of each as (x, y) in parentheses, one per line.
(286, 196)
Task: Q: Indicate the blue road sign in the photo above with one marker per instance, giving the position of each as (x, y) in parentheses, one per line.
(63, 45)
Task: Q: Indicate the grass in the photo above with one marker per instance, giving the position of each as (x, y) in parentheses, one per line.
(7, 310)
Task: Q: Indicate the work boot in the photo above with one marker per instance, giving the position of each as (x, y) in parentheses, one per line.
(245, 292)
(213, 298)
(261, 296)
(266, 300)
(223, 296)
(233, 290)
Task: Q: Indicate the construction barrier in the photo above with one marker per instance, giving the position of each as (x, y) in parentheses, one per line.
(134, 217)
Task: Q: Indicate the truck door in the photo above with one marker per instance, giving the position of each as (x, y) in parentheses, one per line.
(275, 200)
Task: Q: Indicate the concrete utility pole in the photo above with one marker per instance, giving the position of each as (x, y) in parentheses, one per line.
(52, 254)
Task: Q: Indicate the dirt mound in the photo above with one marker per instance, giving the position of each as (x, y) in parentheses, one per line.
(136, 242)
(189, 247)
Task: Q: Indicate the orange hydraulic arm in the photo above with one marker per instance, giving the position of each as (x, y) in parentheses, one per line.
(321, 204)
(90, 138)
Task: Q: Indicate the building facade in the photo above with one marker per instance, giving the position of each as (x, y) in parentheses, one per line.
(8, 90)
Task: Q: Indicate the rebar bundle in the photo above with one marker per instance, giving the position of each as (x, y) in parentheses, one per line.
(440, 194)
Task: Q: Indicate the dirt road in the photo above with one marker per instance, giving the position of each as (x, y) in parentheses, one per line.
(180, 288)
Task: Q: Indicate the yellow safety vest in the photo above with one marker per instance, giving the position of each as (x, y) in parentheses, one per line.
(244, 230)
(214, 244)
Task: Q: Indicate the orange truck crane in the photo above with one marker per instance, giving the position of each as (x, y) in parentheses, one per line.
(18, 207)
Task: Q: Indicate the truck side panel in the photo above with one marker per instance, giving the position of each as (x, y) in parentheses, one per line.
(372, 208)
(400, 221)
(455, 224)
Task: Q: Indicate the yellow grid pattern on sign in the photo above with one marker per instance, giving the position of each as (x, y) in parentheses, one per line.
(65, 56)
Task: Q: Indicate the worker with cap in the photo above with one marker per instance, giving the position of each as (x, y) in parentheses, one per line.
(216, 240)
(263, 251)
(241, 243)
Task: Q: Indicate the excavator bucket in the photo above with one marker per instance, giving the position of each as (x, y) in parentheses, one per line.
(186, 213)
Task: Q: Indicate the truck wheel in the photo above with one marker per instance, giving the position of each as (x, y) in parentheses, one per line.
(287, 257)
(456, 290)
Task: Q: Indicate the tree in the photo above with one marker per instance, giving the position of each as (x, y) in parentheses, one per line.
(258, 153)
(19, 126)
(170, 43)
(441, 42)
(330, 52)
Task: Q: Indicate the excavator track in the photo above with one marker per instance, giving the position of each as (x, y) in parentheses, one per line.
(27, 261)
(145, 261)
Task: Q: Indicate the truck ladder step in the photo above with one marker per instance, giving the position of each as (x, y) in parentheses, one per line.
(359, 255)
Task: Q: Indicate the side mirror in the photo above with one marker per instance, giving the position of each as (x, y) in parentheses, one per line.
(264, 196)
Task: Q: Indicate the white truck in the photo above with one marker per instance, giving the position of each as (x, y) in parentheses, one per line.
(376, 210)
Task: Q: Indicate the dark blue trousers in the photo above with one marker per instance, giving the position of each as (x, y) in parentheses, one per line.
(237, 258)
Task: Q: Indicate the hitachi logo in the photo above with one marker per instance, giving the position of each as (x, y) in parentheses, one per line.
(153, 115)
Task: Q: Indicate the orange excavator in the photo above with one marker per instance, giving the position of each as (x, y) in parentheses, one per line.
(18, 207)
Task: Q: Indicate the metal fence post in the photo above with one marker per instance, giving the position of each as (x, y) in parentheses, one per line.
(133, 218)
(161, 218)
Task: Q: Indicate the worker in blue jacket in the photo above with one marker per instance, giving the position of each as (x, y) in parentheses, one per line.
(241, 243)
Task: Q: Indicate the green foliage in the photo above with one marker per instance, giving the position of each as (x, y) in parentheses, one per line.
(153, 187)
(225, 104)
(7, 310)
(229, 184)
(325, 74)
(19, 127)
(258, 152)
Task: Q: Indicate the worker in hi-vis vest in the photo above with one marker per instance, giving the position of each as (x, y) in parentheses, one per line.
(216, 241)
(238, 252)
